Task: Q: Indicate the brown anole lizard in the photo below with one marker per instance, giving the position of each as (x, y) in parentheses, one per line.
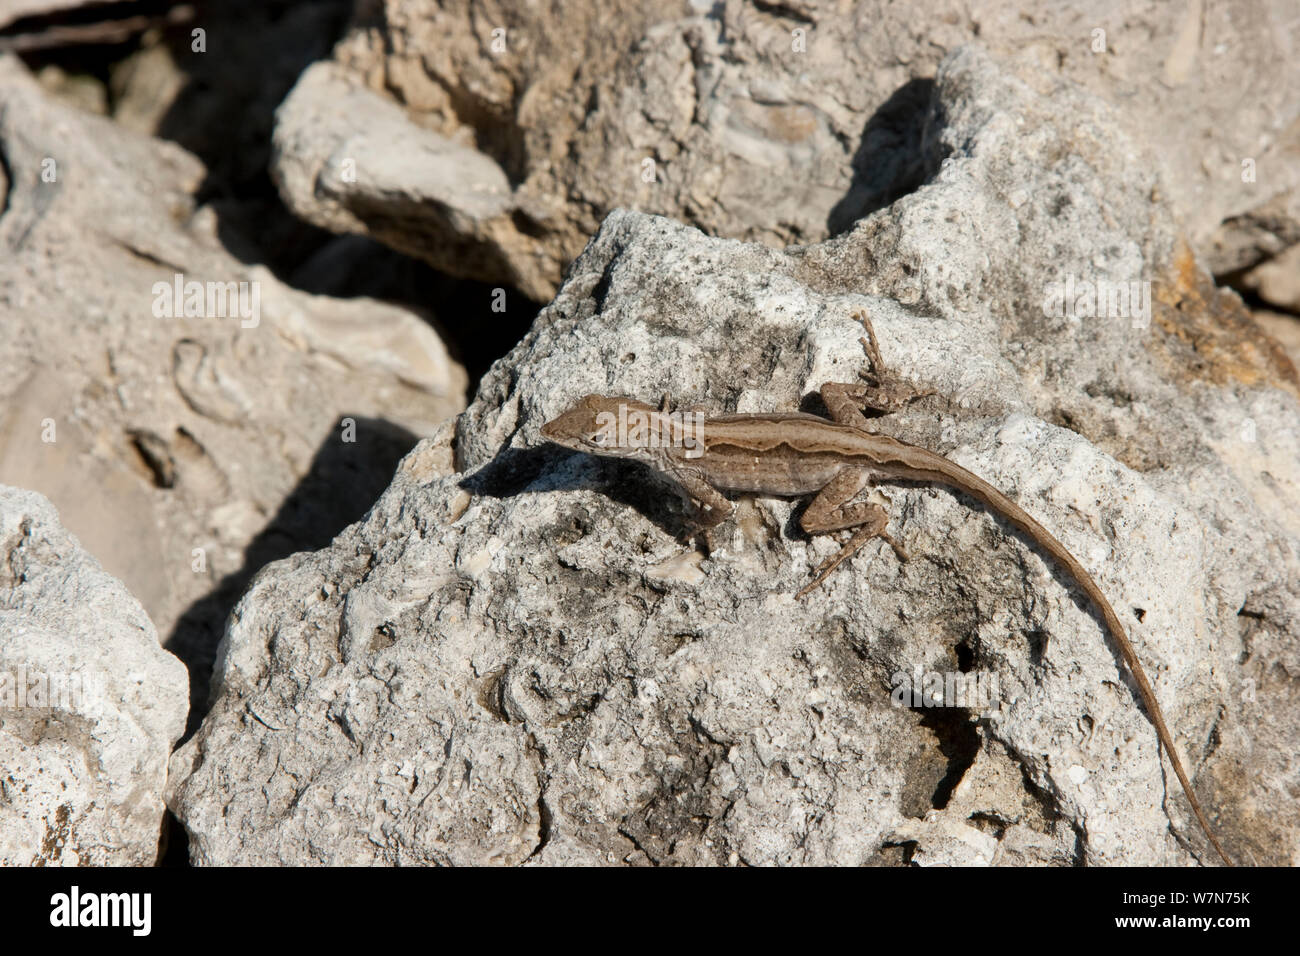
(795, 454)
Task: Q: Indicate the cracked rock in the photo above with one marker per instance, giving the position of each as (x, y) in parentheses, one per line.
(201, 415)
(513, 659)
(776, 123)
(90, 704)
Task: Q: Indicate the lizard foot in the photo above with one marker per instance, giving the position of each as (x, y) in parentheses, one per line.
(878, 391)
(855, 542)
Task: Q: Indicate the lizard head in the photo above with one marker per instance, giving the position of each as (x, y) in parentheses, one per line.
(611, 425)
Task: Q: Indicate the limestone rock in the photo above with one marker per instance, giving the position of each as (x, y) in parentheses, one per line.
(1277, 281)
(513, 659)
(90, 704)
(176, 404)
(775, 123)
(14, 10)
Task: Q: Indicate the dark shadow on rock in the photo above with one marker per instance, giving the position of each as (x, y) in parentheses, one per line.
(254, 52)
(893, 158)
(511, 471)
(959, 742)
(5, 179)
(225, 114)
(628, 483)
(478, 321)
(344, 481)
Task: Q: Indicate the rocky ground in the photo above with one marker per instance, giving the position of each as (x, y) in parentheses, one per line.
(287, 290)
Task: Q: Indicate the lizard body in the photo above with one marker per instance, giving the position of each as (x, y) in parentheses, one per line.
(795, 454)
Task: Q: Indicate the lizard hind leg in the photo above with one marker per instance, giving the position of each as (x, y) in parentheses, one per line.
(878, 390)
(869, 344)
(830, 511)
(875, 529)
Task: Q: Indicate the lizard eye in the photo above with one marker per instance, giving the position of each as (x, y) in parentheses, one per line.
(598, 438)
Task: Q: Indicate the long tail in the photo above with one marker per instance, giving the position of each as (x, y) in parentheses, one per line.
(954, 476)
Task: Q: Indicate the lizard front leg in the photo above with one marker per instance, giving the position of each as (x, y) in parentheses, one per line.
(711, 506)
(831, 511)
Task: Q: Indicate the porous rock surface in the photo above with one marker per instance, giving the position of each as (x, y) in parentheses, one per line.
(202, 430)
(490, 141)
(90, 704)
(513, 659)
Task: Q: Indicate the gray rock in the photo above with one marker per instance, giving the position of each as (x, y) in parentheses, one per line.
(774, 123)
(14, 10)
(512, 659)
(1284, 328)
(202, 430)
(1277, 281)
(90, 705)
(349, 160)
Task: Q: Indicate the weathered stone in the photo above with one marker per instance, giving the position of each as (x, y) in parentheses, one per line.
(90, 704)
(180, 447)
(517, 661)
(14, 10)
(1277, 281)
(775, 123)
